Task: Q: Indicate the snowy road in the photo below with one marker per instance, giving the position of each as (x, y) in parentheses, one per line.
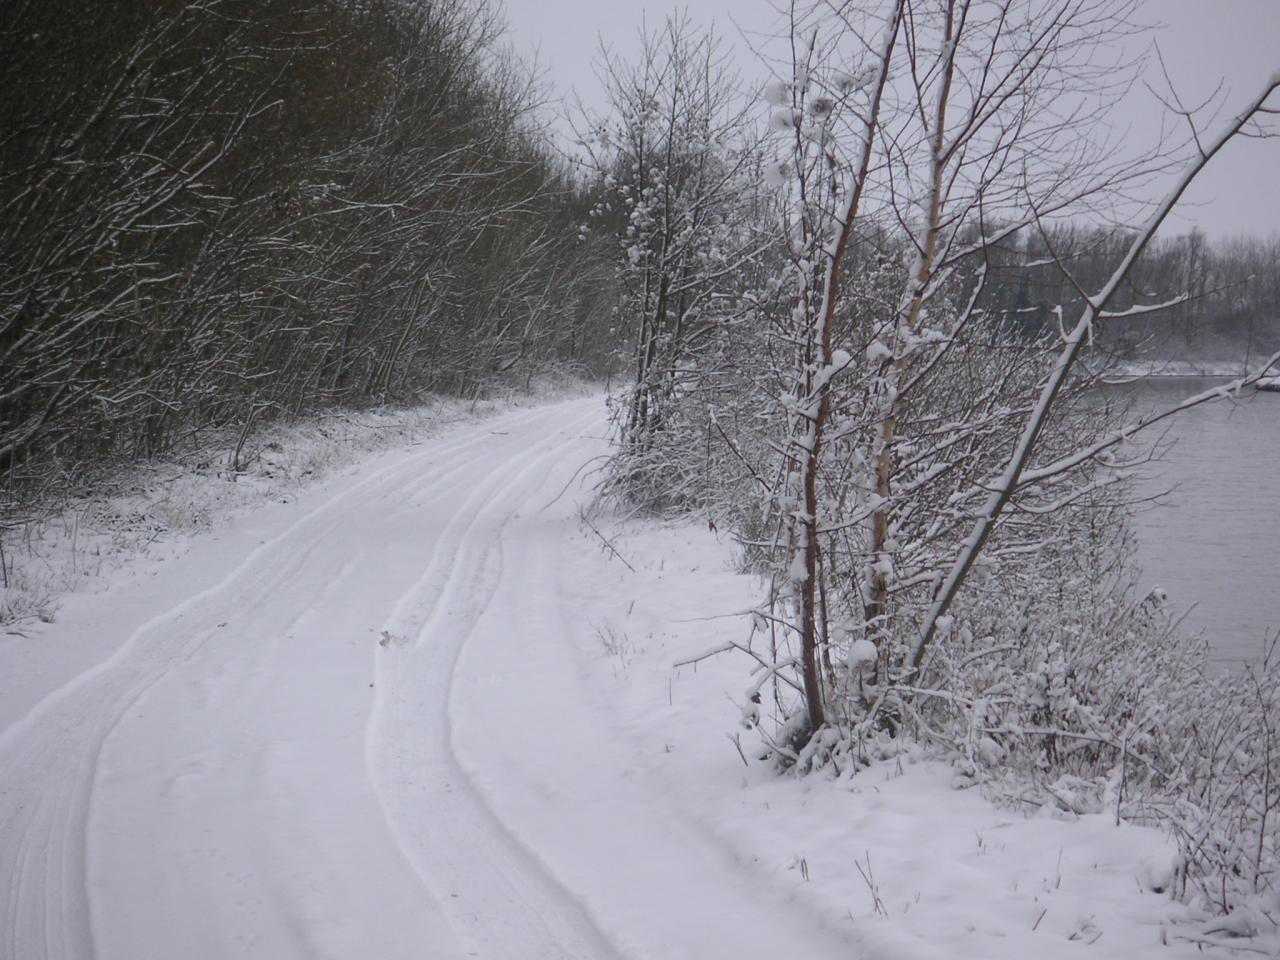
(267, 765)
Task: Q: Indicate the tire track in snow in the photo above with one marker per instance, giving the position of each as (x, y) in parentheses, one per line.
(182, 827)
(49, 757)
(543, 740)
(500, 898)
(409, 465)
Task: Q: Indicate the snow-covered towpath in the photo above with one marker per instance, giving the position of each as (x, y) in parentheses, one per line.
(275, 751)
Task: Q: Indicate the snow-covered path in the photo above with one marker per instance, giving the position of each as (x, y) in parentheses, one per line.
(267, 765)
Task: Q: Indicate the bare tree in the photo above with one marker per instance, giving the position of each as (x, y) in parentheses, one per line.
(218, 211)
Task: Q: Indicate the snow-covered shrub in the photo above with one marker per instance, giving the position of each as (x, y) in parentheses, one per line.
(27, 597)
(681, 206)
(1057, 686)
(937, 500)
(1091, 701)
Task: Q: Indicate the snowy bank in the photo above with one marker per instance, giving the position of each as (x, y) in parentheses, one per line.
(96, 522)
(122, 529)
(895, 860)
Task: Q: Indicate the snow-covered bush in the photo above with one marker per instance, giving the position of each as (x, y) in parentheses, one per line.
(681, 204)
(1088, 699)
(1073, 695)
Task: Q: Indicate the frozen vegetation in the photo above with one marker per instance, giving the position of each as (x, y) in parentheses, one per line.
(891, 405)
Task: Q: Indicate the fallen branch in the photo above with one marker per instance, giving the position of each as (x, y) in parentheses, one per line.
(582, 515)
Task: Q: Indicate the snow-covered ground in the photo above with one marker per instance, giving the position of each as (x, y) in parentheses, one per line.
(896, 858)
(144, 512)
(417, 710)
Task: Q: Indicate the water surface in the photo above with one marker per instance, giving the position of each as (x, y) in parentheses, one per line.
(1213, 542)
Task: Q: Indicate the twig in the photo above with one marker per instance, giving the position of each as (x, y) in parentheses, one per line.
(867, 877)
(582, 514)
(737, 742)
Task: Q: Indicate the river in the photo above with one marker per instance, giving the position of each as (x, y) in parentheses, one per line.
(1213, 541)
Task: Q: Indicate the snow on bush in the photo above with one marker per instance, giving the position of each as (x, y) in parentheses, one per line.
(1087, 700)
(1060, 690)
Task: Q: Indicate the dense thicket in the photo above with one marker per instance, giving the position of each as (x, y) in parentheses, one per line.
(888, 401)
(212, 210)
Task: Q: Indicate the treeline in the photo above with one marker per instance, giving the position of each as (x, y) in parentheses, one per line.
(217, 210)
(1223, 297)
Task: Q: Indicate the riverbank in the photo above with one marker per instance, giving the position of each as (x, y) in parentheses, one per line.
(1177, 368)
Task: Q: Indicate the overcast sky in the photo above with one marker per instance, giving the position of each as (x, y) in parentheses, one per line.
(1204, 42)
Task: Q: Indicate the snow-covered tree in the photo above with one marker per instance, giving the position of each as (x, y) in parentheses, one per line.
(678, 173)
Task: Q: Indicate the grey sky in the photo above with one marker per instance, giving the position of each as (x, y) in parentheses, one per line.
(1204, 42)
